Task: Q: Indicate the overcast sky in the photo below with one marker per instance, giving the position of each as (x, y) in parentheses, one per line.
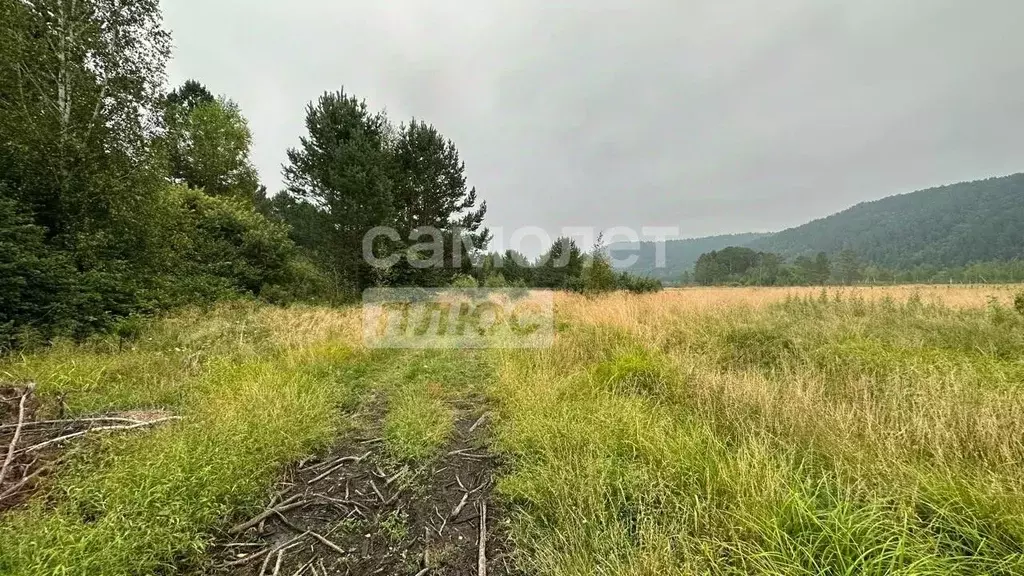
(716, 116)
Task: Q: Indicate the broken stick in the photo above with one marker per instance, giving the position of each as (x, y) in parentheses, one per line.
(482, 560)
(17, 434)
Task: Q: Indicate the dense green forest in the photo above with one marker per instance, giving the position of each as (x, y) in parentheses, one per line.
(120, 197)
(946, 227)
(743, 266)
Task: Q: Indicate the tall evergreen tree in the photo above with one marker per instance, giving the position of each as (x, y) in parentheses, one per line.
(430, 193)
(342, 170)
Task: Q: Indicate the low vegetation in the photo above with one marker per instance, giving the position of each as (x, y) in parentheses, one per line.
(697, 431)
(831, 433)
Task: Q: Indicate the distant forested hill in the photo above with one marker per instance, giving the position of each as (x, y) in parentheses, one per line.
(945, 227)
(680, 255)
(948, 226)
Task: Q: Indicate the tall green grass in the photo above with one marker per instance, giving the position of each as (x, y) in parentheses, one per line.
(150, 502)
(817, 436)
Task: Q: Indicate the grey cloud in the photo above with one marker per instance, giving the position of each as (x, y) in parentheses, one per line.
(717, 116)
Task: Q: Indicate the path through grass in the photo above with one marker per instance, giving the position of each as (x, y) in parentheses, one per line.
(738, 432)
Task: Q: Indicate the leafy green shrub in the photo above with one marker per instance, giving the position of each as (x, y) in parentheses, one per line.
(1018, 303)
(217, 247)
(640, 284)
(36, 282)
(495, 281)
(463, 281)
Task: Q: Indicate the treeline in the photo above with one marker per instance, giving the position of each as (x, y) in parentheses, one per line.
(747, 267)
(563, 267)
(118, 197)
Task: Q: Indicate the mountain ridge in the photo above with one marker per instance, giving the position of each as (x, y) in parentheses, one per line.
(944, 226)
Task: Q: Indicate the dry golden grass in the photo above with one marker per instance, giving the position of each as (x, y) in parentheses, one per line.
(707, 300)
(758, 430)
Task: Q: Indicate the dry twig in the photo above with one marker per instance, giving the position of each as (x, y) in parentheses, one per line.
(482, 559)
(266, 551)
(17, 433)
(289, 504)
(67, 437)
(328, 543)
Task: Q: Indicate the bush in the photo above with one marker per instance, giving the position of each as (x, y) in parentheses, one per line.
(463, 281)
(640, 284)
(36, 281)
(221, 246)
(1018, 303)
(495, 281)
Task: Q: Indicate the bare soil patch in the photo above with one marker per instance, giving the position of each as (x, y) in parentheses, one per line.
(355, 511)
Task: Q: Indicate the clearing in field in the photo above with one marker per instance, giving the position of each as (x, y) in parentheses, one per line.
(722, 431)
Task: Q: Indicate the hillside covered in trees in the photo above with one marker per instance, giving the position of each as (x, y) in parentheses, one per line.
(969, 232)
(949, 226)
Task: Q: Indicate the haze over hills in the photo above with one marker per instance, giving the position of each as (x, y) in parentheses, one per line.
(947, 226)
(680, 255)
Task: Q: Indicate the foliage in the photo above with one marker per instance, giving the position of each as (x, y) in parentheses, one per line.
(208, 142)
(562, 267)
(34, 279)
(355, 172)
(465, 282)
(95, 232)
(946, 227)
(598, 275)
(221, 246)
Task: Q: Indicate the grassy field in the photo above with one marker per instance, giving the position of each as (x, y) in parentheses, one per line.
(721, 431)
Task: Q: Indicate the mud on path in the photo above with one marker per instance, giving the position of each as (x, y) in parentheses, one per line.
(357, 512)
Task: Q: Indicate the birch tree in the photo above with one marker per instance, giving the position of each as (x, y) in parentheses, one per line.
(81, 81)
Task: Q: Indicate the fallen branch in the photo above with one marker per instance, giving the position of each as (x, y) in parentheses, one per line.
(21, 483)
(277, 565)
(479, 422)
(444, 521)
(303, 569)
(377, 490)
(458, 509)
(287, 505)
(342, 501)
(67, 437)
(482, 557)
(338, 464)
(267, 550)
(17, 434)
(397, 475)
(328, 543)
(70, 421)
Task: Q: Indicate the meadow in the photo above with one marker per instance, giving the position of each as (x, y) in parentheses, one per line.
(694, 431)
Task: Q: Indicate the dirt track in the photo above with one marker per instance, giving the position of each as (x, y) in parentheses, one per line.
(356, 512)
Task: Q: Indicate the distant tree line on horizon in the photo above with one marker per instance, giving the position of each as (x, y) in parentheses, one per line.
(743, 266)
